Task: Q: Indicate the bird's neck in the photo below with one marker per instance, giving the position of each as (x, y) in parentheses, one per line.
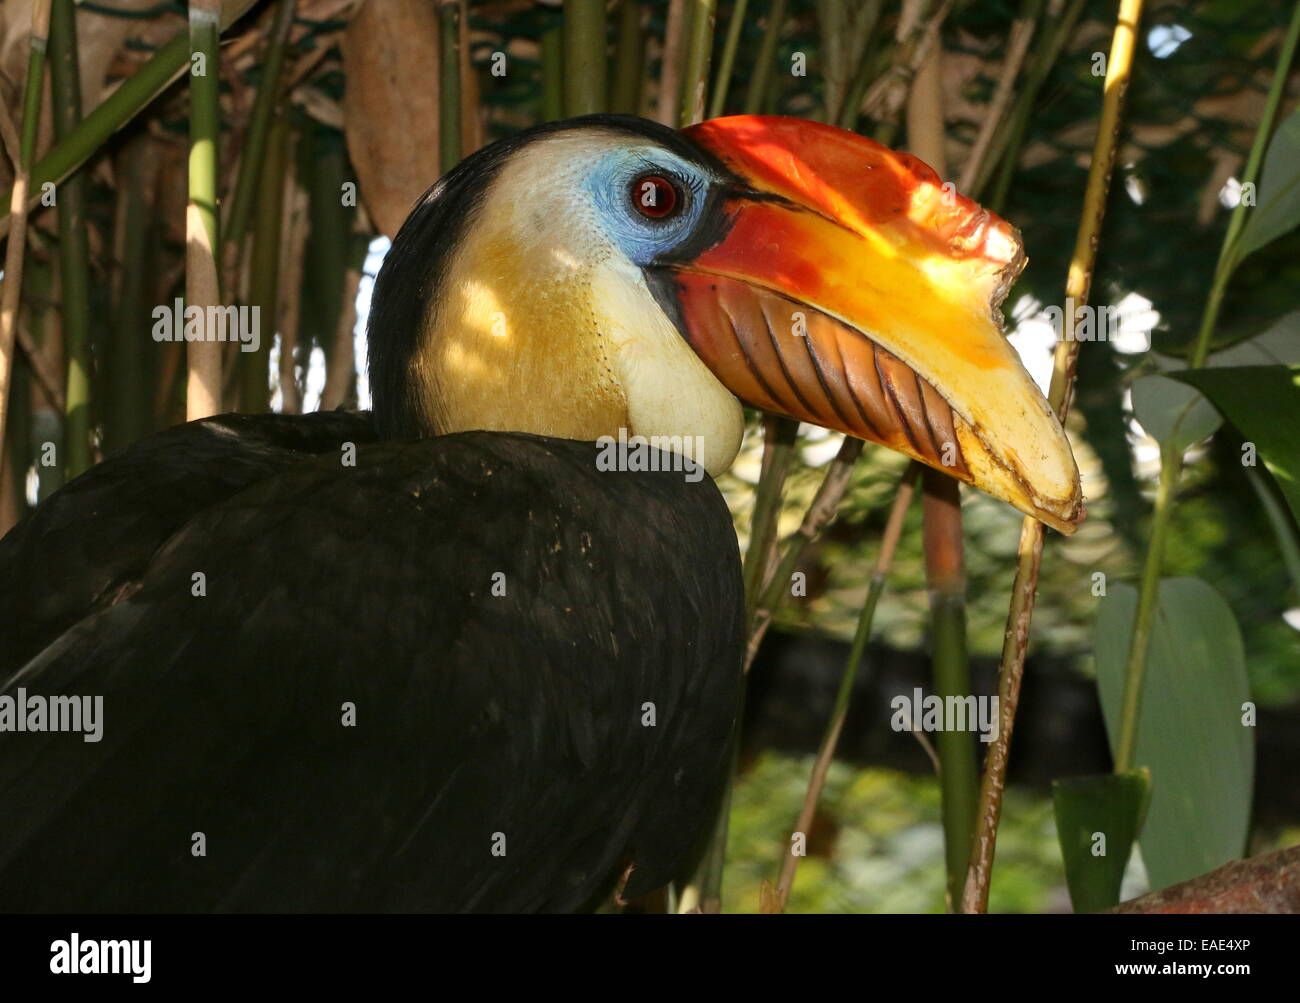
(514, 344)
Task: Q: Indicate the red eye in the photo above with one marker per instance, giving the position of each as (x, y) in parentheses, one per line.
(654, 196)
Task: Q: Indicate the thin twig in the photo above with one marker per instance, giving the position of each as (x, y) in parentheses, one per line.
(822, 510)
(831, 737)
(1022, 33)
(993, 782)
(886, 97)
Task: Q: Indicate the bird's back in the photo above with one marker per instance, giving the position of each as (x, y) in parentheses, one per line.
(469, 672)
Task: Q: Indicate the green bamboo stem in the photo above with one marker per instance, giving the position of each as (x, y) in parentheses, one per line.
(47, 405)
(11, 294)
(766, 61)
(848, 678)
(552, 96)
(699, 49)
(727, 62)
(253, 150)
(264, 273)
(1171, 458)
(945, 573)
(16, 458)
(779, 442)
(324, 170)
(202, 235)
(131, 97)
(32, 90)
(74, 244)
(449, 85)
(584, 57)
(629, 56)
(128, 416)
(1078, 285)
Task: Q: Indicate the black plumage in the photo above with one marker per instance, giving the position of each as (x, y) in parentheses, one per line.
(476, 714)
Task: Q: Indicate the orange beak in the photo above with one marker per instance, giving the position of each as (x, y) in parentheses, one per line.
(852, 290)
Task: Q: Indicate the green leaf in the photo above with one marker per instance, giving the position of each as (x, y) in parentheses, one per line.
(1263, 402)
(1278, 209)
(1173, 413)
(1097, 819)
(1190, 732)
(1276, 345)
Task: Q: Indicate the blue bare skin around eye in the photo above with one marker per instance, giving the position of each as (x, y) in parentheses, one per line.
(610, 183)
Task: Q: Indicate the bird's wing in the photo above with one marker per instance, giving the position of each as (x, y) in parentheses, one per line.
(95, 536)
(503, 753)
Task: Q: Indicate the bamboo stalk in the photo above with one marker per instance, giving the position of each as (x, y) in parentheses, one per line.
(584, 57)
(341, 373)
(244, 196)
(1171, 457)
(131, 97)
(128, 415)
(552, 96)
(264, 270)
(1078, 285)
(14, 251)
(946, 575)
(472, 109)
(698, 52)
(766, 60)
(42, 337)
(670, 65)
(202, 240)
(292, 246)
(778, 452)
(727, 63)
(449, 15)
(323, 169)
(835, 726)
(629, 55)
(74, 243)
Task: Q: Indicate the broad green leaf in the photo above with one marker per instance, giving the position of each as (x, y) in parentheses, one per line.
(1277, 345)
(1097, 820)
(1263, 402)
(1191, 734)
(1173, 413)
(1278, 207)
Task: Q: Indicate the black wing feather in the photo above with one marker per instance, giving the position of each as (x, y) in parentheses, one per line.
(476, 714)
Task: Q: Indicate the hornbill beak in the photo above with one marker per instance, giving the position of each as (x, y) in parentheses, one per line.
(851, 289)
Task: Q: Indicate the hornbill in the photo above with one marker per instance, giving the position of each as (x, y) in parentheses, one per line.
(442, 656)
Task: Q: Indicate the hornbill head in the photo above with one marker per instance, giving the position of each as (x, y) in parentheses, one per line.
(607, 272)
